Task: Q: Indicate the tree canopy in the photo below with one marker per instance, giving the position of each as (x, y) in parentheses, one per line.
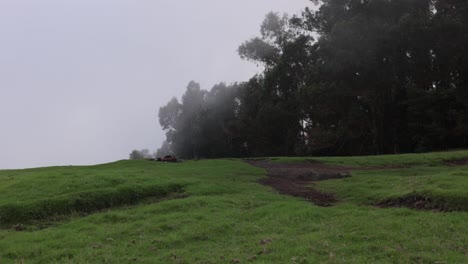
(354, 77)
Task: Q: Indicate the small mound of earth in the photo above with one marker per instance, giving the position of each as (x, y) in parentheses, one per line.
(295, 179)
(417, 202)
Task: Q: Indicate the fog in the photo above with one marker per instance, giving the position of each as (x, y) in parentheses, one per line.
(81, 82)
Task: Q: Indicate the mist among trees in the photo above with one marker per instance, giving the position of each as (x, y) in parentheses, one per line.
(140, 154)
(354, 77)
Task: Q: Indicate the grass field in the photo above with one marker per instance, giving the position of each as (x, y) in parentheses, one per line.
(214, 211)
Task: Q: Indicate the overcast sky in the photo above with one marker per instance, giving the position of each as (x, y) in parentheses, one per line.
(81, 81)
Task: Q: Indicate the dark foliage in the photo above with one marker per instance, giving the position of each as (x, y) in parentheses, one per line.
(354, 77)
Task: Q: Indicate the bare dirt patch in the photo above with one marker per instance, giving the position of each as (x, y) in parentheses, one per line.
(297, 179)
(417, 202)
(457, 162)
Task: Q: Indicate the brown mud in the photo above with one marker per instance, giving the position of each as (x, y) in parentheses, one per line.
(418, 202)
(297, 179)
(457, 162)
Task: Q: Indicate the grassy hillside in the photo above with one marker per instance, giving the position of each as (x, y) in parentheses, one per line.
(426, 159)
(214, 211)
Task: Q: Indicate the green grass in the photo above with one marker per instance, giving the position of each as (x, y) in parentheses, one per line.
(427, 159)
(446, 186)
(50, 192)
(227, 217)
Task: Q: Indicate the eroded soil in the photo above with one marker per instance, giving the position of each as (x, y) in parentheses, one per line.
(297, 179)
(457, 162)
(418, 202)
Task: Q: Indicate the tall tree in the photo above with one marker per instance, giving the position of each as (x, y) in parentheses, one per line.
(353, 77)
(284, 56)
(365, 53)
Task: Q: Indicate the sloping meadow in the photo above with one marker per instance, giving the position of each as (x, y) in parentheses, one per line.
(216, 211)
(47, 193)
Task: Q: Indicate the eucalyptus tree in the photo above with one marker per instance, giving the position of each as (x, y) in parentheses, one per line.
(283, 53)
(351, 77)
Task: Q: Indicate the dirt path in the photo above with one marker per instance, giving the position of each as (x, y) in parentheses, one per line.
(457, 162)
(297, 179)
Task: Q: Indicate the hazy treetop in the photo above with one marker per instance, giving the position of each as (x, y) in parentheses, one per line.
(81, 81)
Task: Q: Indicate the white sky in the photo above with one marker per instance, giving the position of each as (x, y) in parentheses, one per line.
(81, 81)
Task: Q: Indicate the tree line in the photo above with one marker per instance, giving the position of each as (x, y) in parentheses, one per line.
(353, 77)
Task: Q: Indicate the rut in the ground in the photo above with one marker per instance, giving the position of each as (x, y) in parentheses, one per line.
(297, 179)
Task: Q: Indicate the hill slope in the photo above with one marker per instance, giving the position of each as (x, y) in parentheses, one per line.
(216, 211)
